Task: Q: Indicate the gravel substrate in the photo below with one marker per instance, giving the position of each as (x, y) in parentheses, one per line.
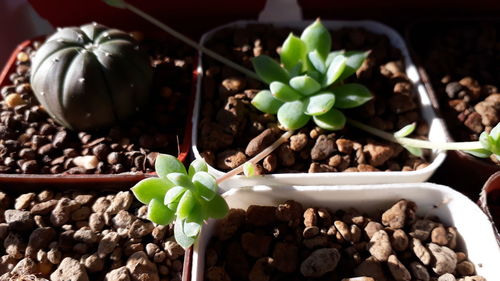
(32, 143)
(462, 60)
(80, 236)
(231, 130)
(290, 242)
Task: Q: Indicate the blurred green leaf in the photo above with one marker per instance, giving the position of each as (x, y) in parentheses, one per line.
(315, 60)
(150, 188)
(186, 204)
(332, 120)
(319, 103)
(406, 130)
(351, 95)
(159, 213)
(269, 70)
(414, 150)
(354, 61)
(334, 71)
(198, 165)
(249, 169)
(317, 37)
(305, 85)
(205, 184)
(166, 164)
(180, 180)
(293, 52)
(217, 207)
(283, 92)
(173, 195)
(180, 237)
(333, 55)
(481, 153)
(265, 102)
(192, 228)
(291, 115)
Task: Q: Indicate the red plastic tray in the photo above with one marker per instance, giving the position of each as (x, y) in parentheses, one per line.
(24, 182)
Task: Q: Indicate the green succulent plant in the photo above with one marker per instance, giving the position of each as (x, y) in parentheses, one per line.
(186, 197)
(309, 82)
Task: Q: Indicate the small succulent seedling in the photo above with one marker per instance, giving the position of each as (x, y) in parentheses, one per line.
(309, 82)
(186, 197)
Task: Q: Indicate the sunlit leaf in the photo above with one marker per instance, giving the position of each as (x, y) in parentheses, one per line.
(332, 120)
(269, 70)
(150, 188)
(191, 228)
(174, 195)
(319, 103)
(296, 70)
(159, 213)
(283, 92)
(186, 204)
(180, 180)
(198, 165)
(406, 130)
(249, 169)
(354, 61)
(293, 52)
(166, 164)
(334, 71)
(205, 185)
(315, 60)
(265, 102)
(216, 208)
(317, 37)
(414, 150)
(291, 115)
(305, 84)
(180, 237)
(332, 55)
(481, 153)
(351, 95)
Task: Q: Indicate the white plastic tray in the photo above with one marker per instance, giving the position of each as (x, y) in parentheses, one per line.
(436, 132)
(453, 208)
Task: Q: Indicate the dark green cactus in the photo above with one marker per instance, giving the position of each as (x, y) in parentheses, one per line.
(91, 77)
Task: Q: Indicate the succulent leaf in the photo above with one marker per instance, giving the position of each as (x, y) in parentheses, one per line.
(151, 188)
(205, 185)
(406, 130)
(269, 70)
(291, 115)
(217, 207)
(332, 55)
(335, 70)
(159, 213)
(315, 60)
(265, 102)
(166, 164)
(180, 180)
(305, 84)
(293, 52)
(332, 120)
(320, 103)
(317, 37)
(354, 61)
(179, 235)
(414, 150)
(351, 95)
(186, 204)
(283, 92)
(174, 195)
(198, 165)
(249, 169)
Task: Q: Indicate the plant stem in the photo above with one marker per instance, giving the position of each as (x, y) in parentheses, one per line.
(191, 42)
(261, 155)
(470, 145)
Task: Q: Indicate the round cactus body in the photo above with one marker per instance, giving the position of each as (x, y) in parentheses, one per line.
(90, 77)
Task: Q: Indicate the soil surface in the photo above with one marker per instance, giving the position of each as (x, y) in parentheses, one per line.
(231, 130)
(33, 143)
(81, 236)
(463, 62)
(291, 242)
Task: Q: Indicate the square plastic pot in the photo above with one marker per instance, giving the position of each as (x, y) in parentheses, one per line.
(436, 132)
(24, 182)
(450, 206)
